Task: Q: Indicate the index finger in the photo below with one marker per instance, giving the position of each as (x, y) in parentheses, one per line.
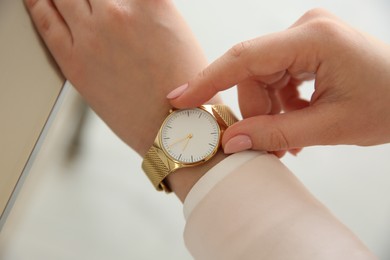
(261, 57)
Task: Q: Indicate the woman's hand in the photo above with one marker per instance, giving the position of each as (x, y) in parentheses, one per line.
(123, 56)
(350, 104)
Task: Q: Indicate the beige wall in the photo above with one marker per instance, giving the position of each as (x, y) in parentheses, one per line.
(29, 87)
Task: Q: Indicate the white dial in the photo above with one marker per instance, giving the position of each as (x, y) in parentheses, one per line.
(190, 135)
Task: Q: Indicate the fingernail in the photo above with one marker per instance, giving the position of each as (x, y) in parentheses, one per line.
(280, 153)
(295, 151)
(237, 144)
(177, 92)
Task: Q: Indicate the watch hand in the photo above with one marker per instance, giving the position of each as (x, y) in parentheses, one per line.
(178, 141)
(188, 140)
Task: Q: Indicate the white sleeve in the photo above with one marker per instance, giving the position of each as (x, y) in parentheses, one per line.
(214, 176)
(250, 206)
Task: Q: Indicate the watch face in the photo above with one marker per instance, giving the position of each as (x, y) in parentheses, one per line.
(190, 135)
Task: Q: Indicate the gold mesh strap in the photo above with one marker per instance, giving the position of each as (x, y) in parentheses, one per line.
(226, 114)
(155, 169)
(156, 165)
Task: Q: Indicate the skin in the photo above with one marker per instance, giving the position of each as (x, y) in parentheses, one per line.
(124, 57)
(119, 62)
(351, 101)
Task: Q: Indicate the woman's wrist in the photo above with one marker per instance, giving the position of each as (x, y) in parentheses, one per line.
(123, 59)
(137, 110)
(182, 180)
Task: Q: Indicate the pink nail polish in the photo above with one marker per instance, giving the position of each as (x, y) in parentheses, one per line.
(237, 144)
(177, 92)
(295, 151)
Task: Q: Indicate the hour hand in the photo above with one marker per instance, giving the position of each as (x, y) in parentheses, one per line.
(188, 140)
(179, 141)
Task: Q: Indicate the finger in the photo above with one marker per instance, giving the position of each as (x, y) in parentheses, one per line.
(73, 11)
(300, 128)
(279, 154)
(281, 83)
(295, 151)
(282, 153)
(290, 96)
(256, 97)
(313, 14)
(271, 79)
(253, 99)
(260, 57)
(217, 99)
(50, 26)
(276, 107)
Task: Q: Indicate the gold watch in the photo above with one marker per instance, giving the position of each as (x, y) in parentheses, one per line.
(187, 137)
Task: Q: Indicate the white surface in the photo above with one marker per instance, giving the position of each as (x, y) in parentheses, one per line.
(101, 206)
(97, 206)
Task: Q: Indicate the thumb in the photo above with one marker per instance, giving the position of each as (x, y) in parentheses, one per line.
(296, 129)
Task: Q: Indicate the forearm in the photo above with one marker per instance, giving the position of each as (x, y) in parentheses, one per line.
(178, 58)
(261, 211)
(124, 60)
(135, 107)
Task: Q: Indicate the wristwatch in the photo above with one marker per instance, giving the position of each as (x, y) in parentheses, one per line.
(187, 138)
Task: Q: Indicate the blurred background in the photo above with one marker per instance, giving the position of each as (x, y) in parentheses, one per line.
(86, 196)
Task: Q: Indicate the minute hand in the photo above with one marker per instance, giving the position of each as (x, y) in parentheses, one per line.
(188, 140)
(179, 141)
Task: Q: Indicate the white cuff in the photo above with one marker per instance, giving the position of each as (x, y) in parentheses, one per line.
(214, 176)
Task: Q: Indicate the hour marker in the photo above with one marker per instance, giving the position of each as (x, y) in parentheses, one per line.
(213, 133)
(192, 158)
(179, 156)
(169, 126)
(188, 113)
(211, 144)
(166, 138)
(200, 115)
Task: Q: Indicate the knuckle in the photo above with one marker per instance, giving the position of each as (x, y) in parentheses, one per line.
(119, 14)
(211, 84)
(239, 49)
(31, 3)
(277, 140)
(315, 13)
(319, 20)
(40, 17)
(43, 23)
(273, 137)
(203, 74)
(267, 135)
(326, 27)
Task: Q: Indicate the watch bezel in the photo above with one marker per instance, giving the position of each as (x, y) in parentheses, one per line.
(173, 162)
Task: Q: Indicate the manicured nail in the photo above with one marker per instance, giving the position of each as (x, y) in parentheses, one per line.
(295, 151)
(237, 144)
(177, 92)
